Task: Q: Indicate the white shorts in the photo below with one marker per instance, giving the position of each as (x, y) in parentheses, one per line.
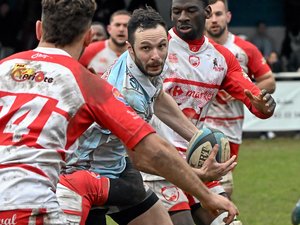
(175, 199)
(172, 197)
(227, 181)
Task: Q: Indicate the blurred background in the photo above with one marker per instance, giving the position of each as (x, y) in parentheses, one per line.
(17, 20)
(272, 25)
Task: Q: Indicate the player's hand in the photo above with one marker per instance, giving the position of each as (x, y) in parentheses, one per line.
(264, 102)
(212, 170)
(216, 203)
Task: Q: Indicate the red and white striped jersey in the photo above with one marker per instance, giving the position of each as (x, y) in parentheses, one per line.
(197, 70)
(99, 56)
(47, 100)
(228, 116)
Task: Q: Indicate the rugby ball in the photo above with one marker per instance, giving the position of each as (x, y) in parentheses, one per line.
(296, 214)
(202, 143)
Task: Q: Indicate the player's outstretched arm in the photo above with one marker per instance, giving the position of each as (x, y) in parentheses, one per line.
(264, 102)
(155, 155)
(167, 110)
(212, 170)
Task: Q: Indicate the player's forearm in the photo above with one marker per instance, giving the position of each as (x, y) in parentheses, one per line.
(156, 155)
(268, 85)
(167, 110)
(267, 82)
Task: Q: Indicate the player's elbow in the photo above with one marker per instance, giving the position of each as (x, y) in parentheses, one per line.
(272, 87)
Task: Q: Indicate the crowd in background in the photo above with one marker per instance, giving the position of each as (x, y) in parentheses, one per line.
(18, 17)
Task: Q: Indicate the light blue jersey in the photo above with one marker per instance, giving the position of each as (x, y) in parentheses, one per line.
(100, 151)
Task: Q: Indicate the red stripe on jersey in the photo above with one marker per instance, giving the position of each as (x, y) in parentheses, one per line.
(181, 149)
(26, 167)
(62, 112)
(62, 154)
(72, 212)
(180, 206)
(225, 118)
(257, 64)
(190, 82)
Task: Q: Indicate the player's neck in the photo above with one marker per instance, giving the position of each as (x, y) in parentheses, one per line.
(117, 49)
(220, 40)
(74, 50)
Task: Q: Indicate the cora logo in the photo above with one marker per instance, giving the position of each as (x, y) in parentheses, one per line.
(21, 72)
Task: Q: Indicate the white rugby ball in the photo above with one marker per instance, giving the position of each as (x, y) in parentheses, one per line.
(202, 143)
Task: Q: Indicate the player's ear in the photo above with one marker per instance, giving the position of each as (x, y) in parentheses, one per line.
(208, 12)
(38, 30)
(130, 49)
(87, 37)
(228, 16)
(108, 28)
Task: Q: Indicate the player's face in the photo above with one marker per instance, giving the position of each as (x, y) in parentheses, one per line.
(98, 33)
(189, 17)
(117, 29)
(150, 50)
(217, 24)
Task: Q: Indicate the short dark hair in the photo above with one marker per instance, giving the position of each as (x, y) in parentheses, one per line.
(145, 18)
(119, 12)
(206, 2)
(65, 21)
(214, 1)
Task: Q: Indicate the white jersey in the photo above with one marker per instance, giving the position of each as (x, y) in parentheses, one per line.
(46, 102)
(196, 71)
(228, 116)
(99, 56)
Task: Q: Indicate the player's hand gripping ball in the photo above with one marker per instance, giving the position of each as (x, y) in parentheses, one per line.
(202, 143)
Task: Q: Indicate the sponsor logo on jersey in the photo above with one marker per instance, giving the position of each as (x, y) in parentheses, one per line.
(170, 193)
(175, 91)
(39, 55)
(21, 72)
(194, 60)
(173, 58)
(9, 221)
(216, 66)
(178, 91)
(118, 95)
(133, 82)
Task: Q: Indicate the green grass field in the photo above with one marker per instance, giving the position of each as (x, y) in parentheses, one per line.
(267, 181)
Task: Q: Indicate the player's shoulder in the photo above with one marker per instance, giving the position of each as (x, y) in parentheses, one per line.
(221, 49)
(244, 44)
(95, 47)
(23, 54)
(97, 44)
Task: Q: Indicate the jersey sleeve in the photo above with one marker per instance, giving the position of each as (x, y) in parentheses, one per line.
(236, 82)
(108, 108)
(257, 64)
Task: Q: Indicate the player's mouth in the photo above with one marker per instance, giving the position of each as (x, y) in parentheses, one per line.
(215, 28)
(121, 36)
(185, 28)
(155, 67)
